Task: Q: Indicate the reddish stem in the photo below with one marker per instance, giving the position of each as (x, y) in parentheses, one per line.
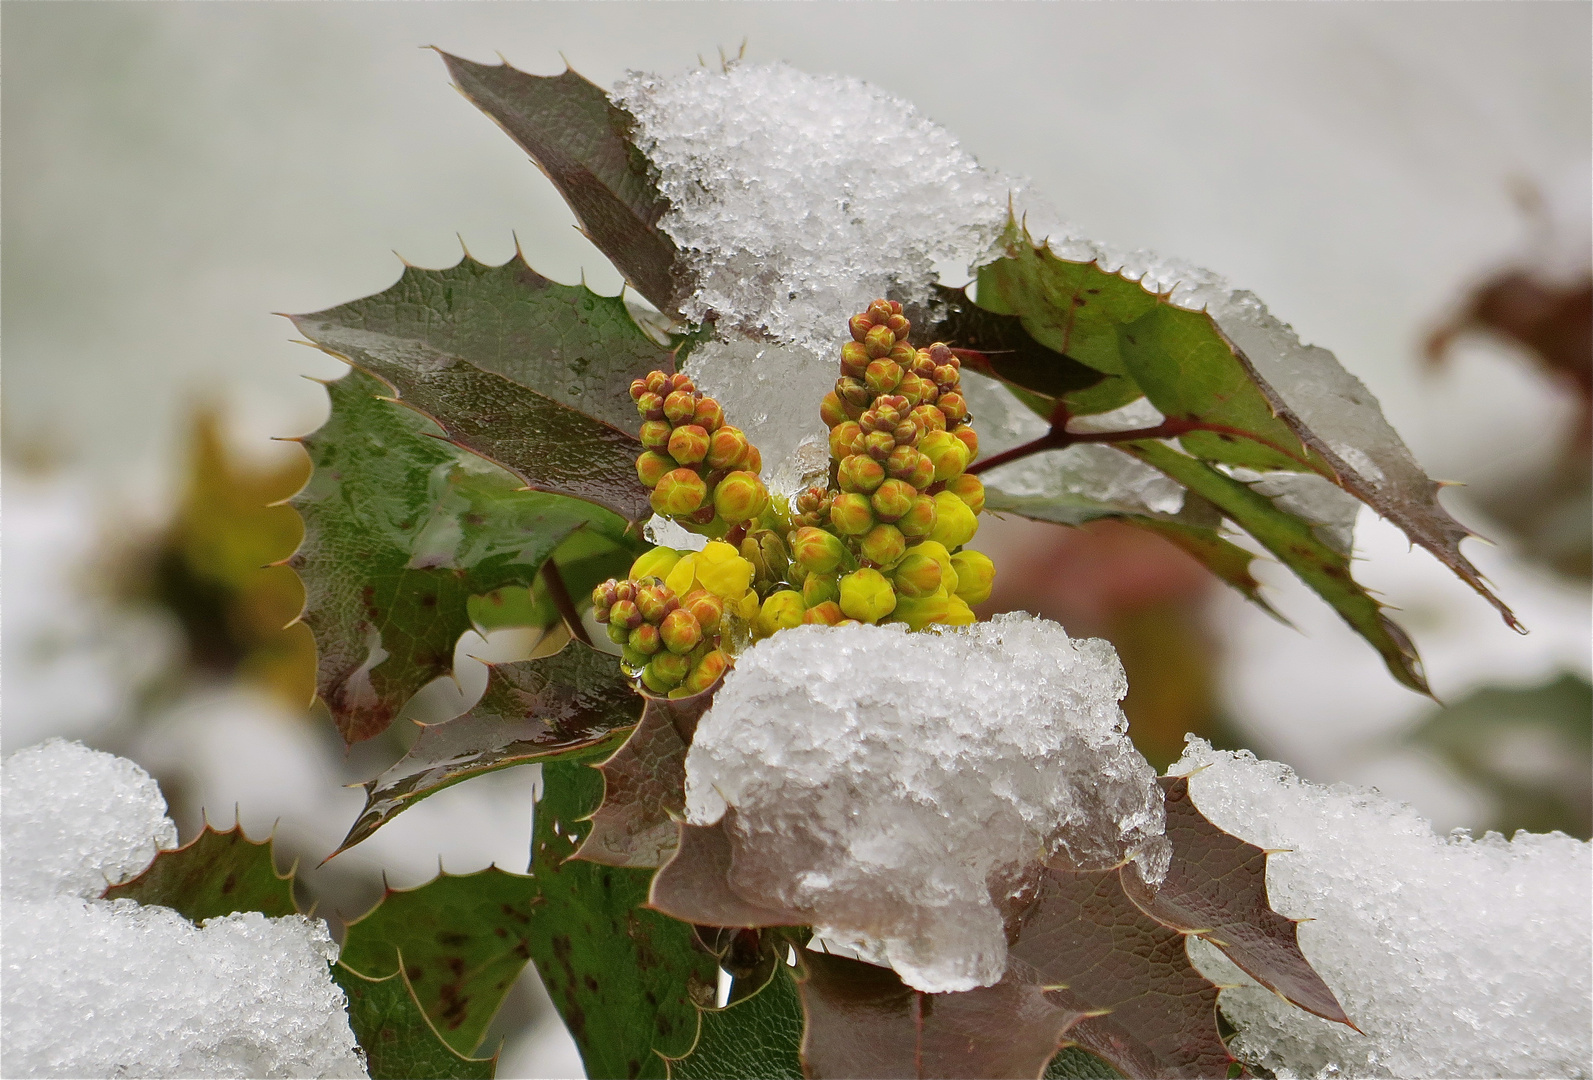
(1059, 438)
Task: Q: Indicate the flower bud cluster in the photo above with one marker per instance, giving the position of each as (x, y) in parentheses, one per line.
(879, 545)
(702, 472)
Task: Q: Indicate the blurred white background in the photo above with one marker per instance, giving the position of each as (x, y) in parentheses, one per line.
(174, 173)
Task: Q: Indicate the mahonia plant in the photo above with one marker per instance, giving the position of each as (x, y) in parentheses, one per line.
(491, 460)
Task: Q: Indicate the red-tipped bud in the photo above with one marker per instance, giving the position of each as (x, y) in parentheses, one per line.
(645, 639)
(899, 325)
(707, 609)
(832, 410)
(912, 388)
(916, 575)
(753, 462)
(656, 600)
(624, 590)
(679, 406)
(854, 359)
(924, 366)
(655, 434)
(882, 376)
(879, 444)
(844, 439)
(625, 615)
(650, 406)
(618, 634)
(860, 325)
(727, 448)
(902, 462)
(953, 407)
(817, 588)
(818, 551)
(681, 381)
(879, 341)
(853, 391)
(706, 671)
(884, 545)
(923, 473)
(969, 489)
(920, 519)
(638, 388)
(941, 353)
(880, 311)
(860, 473)
(947, 377)
(658, 383)
(740, 497)
(604, 596)
(969, 437)
(708, 415)
(665, 671)
(851, 513)
(680, 631)
(652, 467)
(688, 444)
(679, 493)
(906, 433)
(828, 613)
(904, 354)
(893, 499)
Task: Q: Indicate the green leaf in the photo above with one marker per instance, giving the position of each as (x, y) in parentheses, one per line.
(1486, 735)
(1293, 541)
(400, 531)
(581, 141)
(1216, 888)
(862, 1020)
(524, 371)
(576, 700)
(463, 939)
(1076, 1063)
(217, 873)
(399, 1042)
(627, 980)
(644, 786)
(758, 1036)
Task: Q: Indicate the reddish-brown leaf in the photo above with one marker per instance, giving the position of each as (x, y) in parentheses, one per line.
(694, 886)
(644, 786)
(1216, 888)
(862, 1020)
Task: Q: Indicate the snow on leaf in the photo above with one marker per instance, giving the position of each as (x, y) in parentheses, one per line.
(1299, 547)
(862, 1020)
(694, 885)
(626, 980)
(532, 710)
(400, 530)
(758, 1036)
(215, 874)
(644, 786)
(463, 939)
(1216, 887)
(581, 141)
(528, 373)
(398, 1039)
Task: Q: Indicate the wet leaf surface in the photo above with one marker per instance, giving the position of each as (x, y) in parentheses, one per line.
(399, 1042)
(532, 710)
(757, 1036)
(217, 873)
(463, 939)
(401, 530)
(581, 141)
(694, 885)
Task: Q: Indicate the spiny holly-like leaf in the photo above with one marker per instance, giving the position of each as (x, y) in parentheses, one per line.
(1216, 888)
(862, 1020)
(1249, 393)
(217, 873)
(399, 1041)
(463, 939)
(626, 980)
(644, 786)
(401, 529)
(532, 710)
(581, 141)
(1082, 931)
(758, 1036)
(1298, 546)
(524, 371)
(694, 885)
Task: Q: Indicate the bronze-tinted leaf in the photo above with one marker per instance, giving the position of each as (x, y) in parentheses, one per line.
(533, 710)
(694, 885)
(644, 786)
(581, 141)
(863, 1021)
(216, 873)
(1216, 887)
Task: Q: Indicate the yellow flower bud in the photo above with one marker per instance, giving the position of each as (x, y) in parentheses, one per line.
(657, 563)
(851, 514)
(826, 614)
(955, 524)
(817, 588)
(959, 613)
(706, 672)
(740, 496)
(975, 575)
(917, 575)
(938, 552)
(948, 453)
(722, 571)
(781, 611)
(918, 612)
(883, 546)
(866, 596)
(679, 492)
(969, 489)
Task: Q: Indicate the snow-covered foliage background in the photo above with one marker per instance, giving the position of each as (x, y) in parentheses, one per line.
(165, 188)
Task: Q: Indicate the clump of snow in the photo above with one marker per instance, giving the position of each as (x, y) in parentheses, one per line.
(898, 785)
(772, 392)
(113, 988)
(1455, 956)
